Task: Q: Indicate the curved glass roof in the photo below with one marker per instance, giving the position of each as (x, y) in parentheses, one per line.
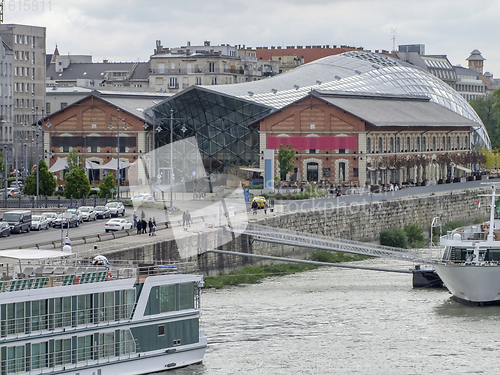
(355, 71)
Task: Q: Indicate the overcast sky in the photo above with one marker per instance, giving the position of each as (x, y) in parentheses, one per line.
(126, 30)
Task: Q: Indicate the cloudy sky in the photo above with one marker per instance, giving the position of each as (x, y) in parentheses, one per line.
(126, 30)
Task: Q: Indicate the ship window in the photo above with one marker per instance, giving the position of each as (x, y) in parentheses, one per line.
(161, 330)
(168, 298)
(15, 359)
(38, 315)
(127, 298)
(84, 313)
(39, 355)
(62, 312)
(127, 343)
(186, 296)
(15, 318)
(106, 344)
(62, 351)
(84, 351)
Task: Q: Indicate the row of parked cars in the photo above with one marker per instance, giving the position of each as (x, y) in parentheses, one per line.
(23, 221)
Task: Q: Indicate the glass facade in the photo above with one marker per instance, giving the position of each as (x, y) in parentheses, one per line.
(220, 124)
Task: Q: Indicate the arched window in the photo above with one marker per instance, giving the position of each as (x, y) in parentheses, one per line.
(391, 145)
(448, 144)
(458, 142)
(433, 143)
(466, 143)
(398, 145)
(424, 146)
(368, 145)
(408, 143)
(443, 144)
(418, 145)
(380, 145)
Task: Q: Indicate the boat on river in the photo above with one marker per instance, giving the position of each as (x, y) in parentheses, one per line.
(59, 315)
(470, 265)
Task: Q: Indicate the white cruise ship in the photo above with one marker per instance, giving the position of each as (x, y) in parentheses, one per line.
(59, 317)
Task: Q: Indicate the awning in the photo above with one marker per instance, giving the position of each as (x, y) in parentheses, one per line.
(59, 165)
(91, 165)
(256, 170)
(112, 164)
(7, 256)
(463, 168)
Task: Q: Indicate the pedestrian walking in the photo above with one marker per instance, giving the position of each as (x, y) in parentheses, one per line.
(184, 219)
(265, 208)
(188, 218)
(135, 219)
(150, 226)
(143, 215)
(254, 207)
(154, 227)
(144, 226)
(139, 227)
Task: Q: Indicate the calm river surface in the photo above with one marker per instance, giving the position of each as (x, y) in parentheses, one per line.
(345, 321)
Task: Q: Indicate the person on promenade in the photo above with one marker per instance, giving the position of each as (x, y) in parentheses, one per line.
(188, 218)
(143, 215)
(184, 219)
(139, 227)
(254, 208)
(150, 226)
(144, 226)
(154, 227)
(265, 208)
(135, 219)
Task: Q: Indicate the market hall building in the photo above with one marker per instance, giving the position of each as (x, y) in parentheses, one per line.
(358, 118)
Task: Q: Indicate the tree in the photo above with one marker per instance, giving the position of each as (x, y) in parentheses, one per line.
(73, 159)
(488, 109)
(77, 183)
(47, 182)
(105, 186)
(286, 160)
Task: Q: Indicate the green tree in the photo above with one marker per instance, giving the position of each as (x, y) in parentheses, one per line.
(488, 109)
(77, 183)
(73, 159)
(394, 237)
(286, 160)
(414, 235)
(105, 186)
(47, 182)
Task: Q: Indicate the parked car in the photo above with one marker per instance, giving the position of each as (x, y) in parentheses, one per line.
(51, 216)
(17, 184)
(143, 198)
(77, 212)
(4, 229)
(102, 212)
(19, 221)
(64, 222)
(116, 208)
(13, 192)
(88, 213)
(117, 224)
(39, 222)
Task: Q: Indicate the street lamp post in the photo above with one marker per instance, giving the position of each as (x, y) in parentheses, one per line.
(171, 158)
(5, 169)
(118, 153)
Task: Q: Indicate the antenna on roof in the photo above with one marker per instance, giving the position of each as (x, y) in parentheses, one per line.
(394, 34)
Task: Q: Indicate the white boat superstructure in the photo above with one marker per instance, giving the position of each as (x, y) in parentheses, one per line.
(470, 265)
(58, 316)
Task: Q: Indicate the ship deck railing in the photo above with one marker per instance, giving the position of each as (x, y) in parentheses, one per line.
(40, 276)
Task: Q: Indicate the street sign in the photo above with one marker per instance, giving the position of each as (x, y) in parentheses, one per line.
(246, 193)
(112, 190)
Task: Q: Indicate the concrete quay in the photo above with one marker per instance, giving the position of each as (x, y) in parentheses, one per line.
(361, 221)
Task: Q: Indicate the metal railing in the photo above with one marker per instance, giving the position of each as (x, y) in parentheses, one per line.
(294, 238)
(31, 202)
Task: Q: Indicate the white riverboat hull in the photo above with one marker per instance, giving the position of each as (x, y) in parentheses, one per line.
(472, 283)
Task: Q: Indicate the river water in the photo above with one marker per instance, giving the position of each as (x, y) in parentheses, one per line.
(345, 321)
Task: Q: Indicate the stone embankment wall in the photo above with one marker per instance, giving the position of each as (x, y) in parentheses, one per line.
(361, 222)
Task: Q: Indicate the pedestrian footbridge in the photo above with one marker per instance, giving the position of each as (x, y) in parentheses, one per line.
(293, 238)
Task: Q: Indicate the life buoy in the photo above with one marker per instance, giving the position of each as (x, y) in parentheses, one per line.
(109, 276)
(486, 227)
